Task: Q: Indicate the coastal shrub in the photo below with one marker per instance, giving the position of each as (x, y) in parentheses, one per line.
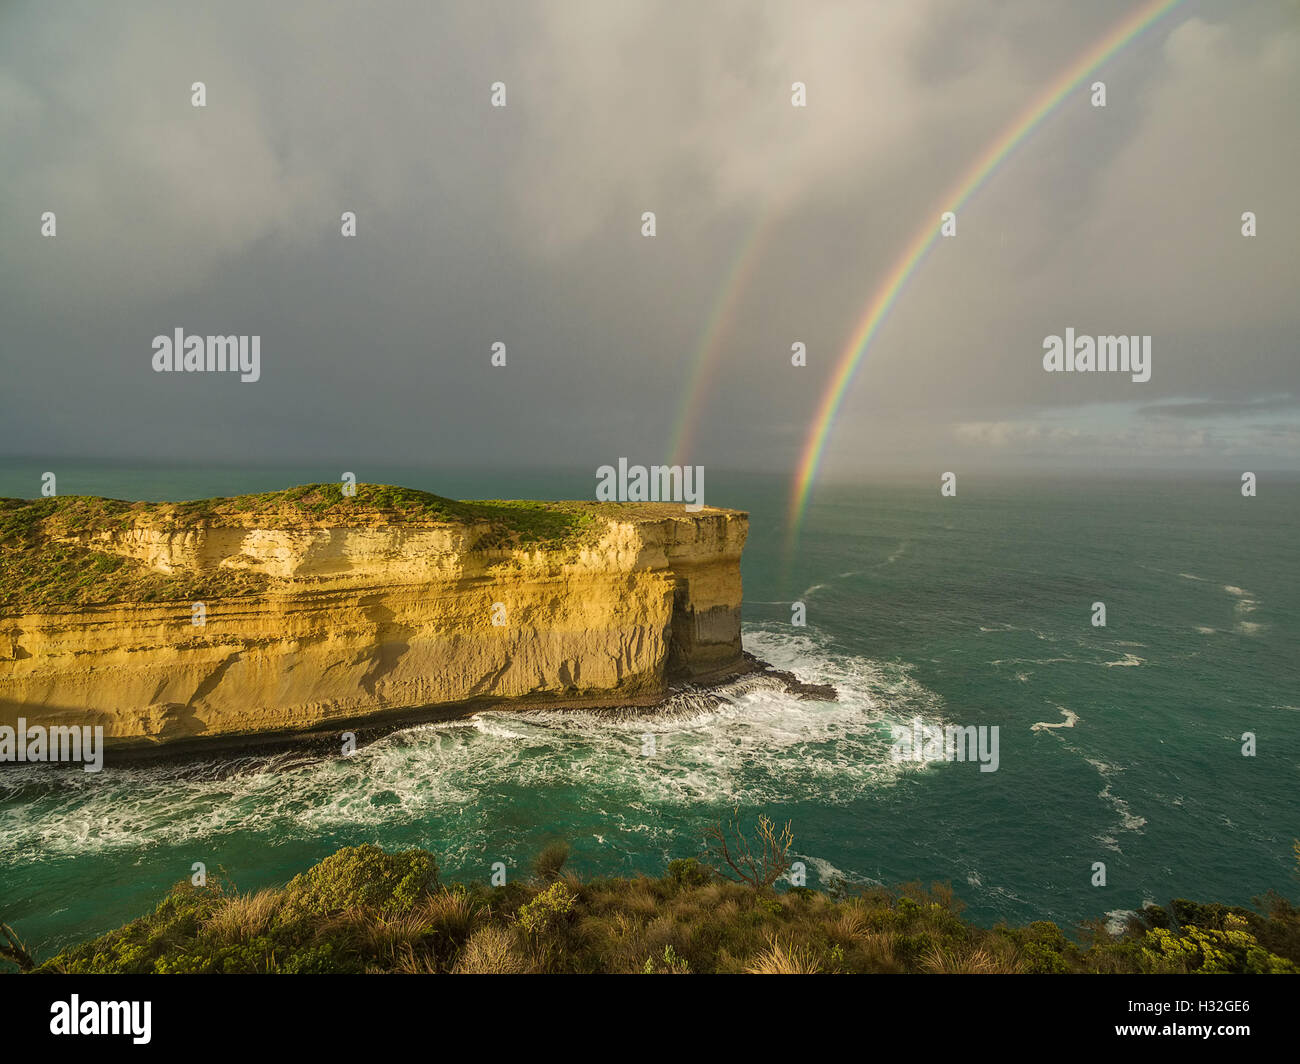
(667, 963)
(362, 910)
(688, 872)
(318, 960)
(361, 877)
(1044, 948)
(207, 957)
(1279, 930)
(139, 946)
(547, 910)
(1207, 951)
(1189, 913)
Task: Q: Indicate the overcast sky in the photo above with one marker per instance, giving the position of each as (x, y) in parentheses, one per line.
(523, 225)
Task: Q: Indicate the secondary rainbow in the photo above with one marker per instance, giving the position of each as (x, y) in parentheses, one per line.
(706, 354)
(1126, 31)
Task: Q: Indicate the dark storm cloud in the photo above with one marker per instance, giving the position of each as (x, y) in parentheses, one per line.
(522, 224)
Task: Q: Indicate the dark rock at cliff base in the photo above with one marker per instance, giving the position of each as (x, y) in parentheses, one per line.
(813, 692)
(755, 667)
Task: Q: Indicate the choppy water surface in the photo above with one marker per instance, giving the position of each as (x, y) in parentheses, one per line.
(1119, 744)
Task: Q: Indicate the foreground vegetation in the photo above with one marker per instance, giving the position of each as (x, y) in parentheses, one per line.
(364, 910)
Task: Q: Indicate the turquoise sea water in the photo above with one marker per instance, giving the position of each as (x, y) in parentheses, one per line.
(1119, 744)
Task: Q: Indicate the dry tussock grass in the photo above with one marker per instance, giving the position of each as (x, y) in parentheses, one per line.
(782, 959)
(243, 917)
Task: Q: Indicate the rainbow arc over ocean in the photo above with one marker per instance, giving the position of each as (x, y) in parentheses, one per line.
(886, 294)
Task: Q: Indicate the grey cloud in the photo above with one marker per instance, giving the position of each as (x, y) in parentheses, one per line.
(522, 224)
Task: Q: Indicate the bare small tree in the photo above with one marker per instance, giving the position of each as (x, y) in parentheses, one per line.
(760, 862)
(14, 950)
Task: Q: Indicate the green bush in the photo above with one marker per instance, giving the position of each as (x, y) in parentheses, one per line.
(317, 960)
(361, 877)
(688, 872)
(1207, 951)
(546, 911)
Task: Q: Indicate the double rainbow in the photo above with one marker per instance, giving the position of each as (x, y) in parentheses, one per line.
(1124, 33)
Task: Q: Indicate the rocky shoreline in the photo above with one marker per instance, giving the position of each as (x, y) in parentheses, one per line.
(373, 727)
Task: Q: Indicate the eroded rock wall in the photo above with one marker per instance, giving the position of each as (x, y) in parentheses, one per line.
(361, 621)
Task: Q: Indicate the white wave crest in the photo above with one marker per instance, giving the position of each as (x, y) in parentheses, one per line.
(748, 743)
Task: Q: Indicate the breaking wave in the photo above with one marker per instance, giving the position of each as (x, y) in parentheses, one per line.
(750, 742)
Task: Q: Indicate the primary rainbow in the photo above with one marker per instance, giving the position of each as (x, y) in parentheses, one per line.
(1122, 34)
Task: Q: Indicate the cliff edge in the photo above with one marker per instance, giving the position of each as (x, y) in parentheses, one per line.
(300, 609)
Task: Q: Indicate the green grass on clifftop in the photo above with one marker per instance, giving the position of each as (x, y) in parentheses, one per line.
(39, 569)
(48, 555)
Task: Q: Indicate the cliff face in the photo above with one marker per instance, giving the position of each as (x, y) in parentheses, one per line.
(350, 620)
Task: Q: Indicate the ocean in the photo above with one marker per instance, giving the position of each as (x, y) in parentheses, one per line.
(1119, 744)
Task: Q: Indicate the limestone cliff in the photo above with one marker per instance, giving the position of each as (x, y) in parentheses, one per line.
(319, 609)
